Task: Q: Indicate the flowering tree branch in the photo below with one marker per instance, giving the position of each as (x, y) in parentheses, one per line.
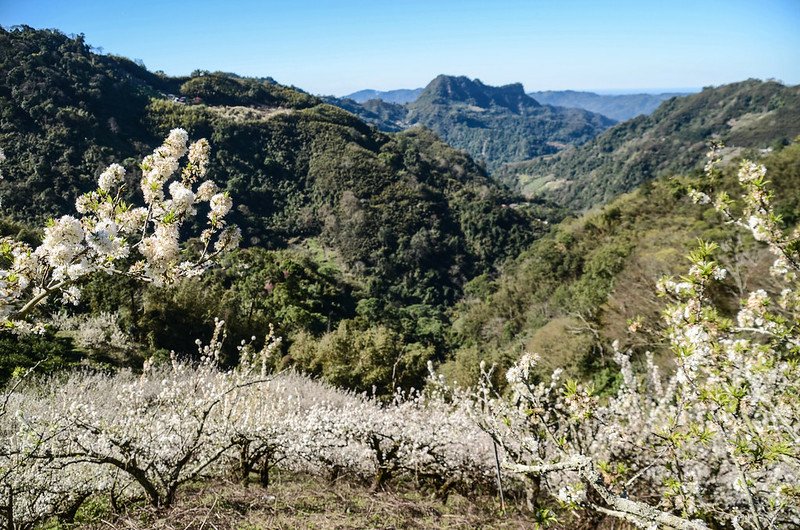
(109, 230)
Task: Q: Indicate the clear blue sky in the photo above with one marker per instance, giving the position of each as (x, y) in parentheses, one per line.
(336, 47)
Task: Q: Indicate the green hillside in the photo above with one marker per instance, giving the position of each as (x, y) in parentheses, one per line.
(749, 114)
(361, 243)
(404, 220)
(296, 166)
(576, 290)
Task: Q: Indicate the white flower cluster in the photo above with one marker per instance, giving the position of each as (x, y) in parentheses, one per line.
(698, 197)
(110, 231)
(569, 494)
(750, 172)
(519, 374)
(129, 435)
(112, 177)
(101, 331)
(759, 218)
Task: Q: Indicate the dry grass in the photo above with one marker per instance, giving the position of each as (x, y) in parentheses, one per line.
(294, 501)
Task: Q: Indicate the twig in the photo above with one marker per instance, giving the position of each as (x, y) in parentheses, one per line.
(499, 477)
(205, 519)
(9, 392)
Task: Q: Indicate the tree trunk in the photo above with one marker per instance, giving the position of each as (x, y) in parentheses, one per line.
(245, 467)
(8, 510)
(533, 487)
(443, 492)
(381, 476)
(69, 514)
(263, 474)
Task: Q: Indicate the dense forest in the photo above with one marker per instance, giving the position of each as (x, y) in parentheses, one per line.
(396, 225)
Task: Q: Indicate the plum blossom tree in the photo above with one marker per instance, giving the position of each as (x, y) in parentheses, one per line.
(113, 236)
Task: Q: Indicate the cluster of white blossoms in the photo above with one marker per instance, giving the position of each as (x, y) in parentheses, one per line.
(130, 435)
(520, 372)
(717, 442)
(99, 331)
(698, 197)
(115, 237)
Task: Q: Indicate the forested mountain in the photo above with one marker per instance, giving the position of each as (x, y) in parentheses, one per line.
(751, 114)
(588, 282)
(493, 124)
(619, 107)
(404, 220)
(399, 96)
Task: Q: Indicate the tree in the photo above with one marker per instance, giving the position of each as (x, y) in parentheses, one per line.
(109, 231)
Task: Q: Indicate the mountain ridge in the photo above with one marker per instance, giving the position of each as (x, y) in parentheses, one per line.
(399, 96)
(750, 114)
(495, 125)
(446, 89)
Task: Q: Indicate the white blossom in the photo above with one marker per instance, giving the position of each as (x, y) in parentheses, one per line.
(182, 199)
(71, 295)
(206, 190)
(113, 176)
(221, 204)
(698, 197)
(175, 143)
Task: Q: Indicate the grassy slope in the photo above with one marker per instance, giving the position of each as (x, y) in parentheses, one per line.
(300, 501)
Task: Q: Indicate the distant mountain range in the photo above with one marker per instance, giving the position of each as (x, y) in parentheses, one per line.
(399, 96)
(617, 107)
(496, 125)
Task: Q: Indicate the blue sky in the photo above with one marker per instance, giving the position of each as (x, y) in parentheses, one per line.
(336, 47)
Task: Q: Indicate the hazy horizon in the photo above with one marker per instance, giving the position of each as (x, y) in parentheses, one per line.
(339, 47)
(599, 91)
